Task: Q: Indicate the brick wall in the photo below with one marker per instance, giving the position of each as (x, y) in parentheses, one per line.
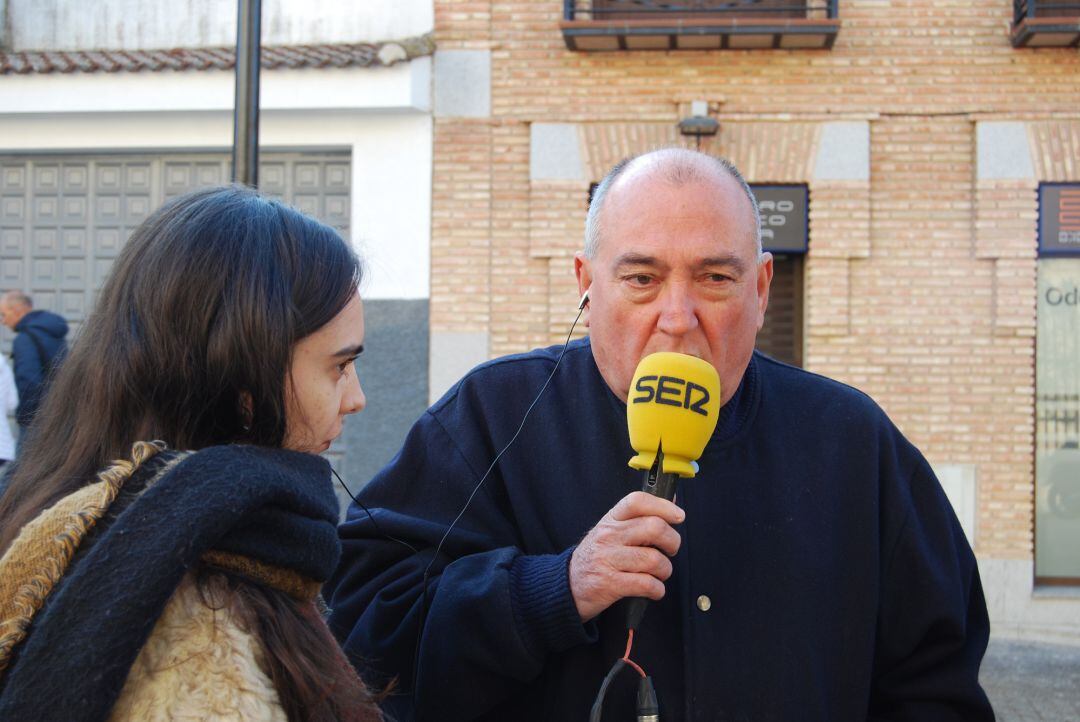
(920, 281)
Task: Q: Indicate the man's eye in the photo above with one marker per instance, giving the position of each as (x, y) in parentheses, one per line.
(639, 279)
(718, 278)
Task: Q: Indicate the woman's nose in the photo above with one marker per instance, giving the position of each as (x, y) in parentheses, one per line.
(354, 399)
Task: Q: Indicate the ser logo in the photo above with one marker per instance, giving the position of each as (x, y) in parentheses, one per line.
(672, 391)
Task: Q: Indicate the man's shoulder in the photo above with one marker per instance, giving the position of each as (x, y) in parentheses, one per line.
(507, 375)
(796, 386)
(43, 322)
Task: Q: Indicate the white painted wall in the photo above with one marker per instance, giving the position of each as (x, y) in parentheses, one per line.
(391, 149)
(404, 86)
(146, 24)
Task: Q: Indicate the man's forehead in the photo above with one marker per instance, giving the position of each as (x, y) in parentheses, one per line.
(631, 258)
(654, 190)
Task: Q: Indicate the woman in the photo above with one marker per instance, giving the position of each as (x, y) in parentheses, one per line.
(163, 539)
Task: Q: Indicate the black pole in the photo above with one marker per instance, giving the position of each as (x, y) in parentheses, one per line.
(246, 116)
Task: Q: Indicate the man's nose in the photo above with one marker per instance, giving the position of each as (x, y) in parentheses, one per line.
(678, 311)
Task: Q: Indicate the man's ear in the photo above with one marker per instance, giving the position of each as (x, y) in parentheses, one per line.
(764, 280)
(583, 272)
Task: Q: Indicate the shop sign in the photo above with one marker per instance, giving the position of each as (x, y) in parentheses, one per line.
(785, 216)
(1059, 219)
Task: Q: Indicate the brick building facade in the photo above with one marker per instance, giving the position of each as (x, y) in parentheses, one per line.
(922, 135)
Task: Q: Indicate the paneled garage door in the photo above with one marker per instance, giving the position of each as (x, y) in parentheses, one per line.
(64, 218)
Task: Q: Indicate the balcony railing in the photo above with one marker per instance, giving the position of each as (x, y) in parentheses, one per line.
(1046, 23)
(698, 24)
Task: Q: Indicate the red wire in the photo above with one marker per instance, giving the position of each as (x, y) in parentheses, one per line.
(626, 656)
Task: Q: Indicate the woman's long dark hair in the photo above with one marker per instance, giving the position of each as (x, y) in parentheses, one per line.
(190, 342)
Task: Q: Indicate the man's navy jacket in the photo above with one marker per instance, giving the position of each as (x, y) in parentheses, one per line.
(839, 583)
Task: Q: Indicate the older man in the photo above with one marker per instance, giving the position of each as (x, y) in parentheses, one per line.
(39, 343)
(813, 570)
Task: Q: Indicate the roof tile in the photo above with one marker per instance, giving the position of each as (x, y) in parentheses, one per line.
(340, 55)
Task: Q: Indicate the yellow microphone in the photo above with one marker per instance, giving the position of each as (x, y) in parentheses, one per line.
(671, 412)
(673, 406)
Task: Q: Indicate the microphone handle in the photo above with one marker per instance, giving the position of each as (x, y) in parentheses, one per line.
(663, 485)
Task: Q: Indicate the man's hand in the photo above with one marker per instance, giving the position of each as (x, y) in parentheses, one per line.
(624, 555)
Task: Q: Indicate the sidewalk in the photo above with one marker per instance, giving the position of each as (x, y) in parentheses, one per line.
(1029, 681)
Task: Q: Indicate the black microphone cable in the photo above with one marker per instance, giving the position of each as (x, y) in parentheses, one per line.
(648, 709)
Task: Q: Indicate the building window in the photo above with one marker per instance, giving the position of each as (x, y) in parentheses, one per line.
(1045, 23)
(1057, 387)
(592, 25)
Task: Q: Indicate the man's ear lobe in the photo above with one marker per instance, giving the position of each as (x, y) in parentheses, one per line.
(583, 272)
(764, 281)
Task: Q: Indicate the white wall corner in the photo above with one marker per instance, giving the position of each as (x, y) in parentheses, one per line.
(1003, 151)
(462, 83)
(959, 483)
(844, 151)
(391, 170)
(555, 152)
(420, 70)
(453, 354)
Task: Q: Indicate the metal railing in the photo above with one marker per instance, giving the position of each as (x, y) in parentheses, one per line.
(1044, 9)
(1057, 420)
(698, 9)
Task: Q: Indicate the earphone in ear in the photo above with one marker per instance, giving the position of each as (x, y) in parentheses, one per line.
(584, 300)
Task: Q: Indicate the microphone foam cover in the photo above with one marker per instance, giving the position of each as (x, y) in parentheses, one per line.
(675, 400)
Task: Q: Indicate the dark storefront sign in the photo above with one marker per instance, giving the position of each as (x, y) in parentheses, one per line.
(785, 216)
(1059, 219)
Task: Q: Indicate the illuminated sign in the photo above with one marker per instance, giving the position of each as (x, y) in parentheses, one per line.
(1059, 219)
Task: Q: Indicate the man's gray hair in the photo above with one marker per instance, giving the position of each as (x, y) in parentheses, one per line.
(17, 298)
(679, 166)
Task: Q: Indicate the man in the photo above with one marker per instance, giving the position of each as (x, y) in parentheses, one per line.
(39, 344)
(817, 572)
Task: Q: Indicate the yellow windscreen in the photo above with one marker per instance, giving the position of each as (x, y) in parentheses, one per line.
(674, 399)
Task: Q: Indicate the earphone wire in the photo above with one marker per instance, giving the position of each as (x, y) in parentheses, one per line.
(468, 501)
(464, 508)
(378, 529)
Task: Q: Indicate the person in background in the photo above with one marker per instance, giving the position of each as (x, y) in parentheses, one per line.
(38, 347)
(9, 401)
(166, 531)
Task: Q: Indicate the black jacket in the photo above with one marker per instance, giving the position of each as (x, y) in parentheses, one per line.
(840, 584)
(39, 345)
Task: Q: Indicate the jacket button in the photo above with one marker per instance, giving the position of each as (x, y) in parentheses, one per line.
(704, 603)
